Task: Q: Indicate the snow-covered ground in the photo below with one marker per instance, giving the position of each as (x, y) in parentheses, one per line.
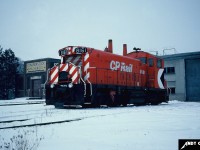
(121, 128)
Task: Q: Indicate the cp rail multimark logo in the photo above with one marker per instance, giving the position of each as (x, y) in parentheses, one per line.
(189, 144)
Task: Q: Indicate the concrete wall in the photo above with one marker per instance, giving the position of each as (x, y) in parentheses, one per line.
(176, 79)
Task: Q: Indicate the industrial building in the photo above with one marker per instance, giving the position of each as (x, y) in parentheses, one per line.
(35, 76)
(182, 73)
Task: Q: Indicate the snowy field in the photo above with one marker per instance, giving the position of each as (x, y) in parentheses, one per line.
(121, 128)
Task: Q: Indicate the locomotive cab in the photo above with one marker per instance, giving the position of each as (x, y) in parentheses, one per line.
(154, 68)
(156, 83)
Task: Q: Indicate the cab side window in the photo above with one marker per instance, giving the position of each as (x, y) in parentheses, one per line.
(150, 62)
(143, 60)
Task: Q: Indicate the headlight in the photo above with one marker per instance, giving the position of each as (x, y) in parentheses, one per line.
(52, 86)
(70, 85)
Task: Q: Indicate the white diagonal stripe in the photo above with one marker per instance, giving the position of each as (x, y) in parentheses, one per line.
(65, 68)
(74, 76)
(86, 56)
(86, 66)
(61, 65)
(72, 70)
(86, 76)
(54, 73)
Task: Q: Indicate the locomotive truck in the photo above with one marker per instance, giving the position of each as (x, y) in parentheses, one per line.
(87, 76)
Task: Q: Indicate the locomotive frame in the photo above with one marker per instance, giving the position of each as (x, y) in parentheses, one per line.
(87, 76)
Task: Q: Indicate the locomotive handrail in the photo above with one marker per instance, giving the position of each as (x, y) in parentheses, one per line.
(90, 87)
(79, 73)
(84, 85)
(90, 82)
(81, 79)
(73, 64)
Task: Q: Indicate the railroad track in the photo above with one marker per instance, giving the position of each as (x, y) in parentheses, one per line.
(40, 124)
(37, 116)
(29, 103)
(58, 121)
(9, 121)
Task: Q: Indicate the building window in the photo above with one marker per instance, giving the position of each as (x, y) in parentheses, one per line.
(165, 70)
(169, 70)
(173, 90)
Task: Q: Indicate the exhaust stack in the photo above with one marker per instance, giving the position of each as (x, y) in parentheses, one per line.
(110, 47)
(124, 49)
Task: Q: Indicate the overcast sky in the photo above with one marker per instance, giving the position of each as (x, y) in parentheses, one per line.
(38, 28)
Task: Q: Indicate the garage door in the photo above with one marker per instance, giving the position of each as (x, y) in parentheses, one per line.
(192, 70)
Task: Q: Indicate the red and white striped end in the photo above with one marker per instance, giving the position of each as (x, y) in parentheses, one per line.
(73, 71)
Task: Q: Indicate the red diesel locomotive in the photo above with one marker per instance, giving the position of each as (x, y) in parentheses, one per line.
(90, 76)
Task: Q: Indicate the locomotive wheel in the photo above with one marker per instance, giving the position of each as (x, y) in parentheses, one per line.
(112, 98)
(124, 104)
(87, 105)
(124, 100)
(96, 99)
(155, 103)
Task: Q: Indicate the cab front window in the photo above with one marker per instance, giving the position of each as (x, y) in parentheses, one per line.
(74, 59)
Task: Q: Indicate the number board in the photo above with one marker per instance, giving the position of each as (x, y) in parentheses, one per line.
(80, 50)
(62, 52)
